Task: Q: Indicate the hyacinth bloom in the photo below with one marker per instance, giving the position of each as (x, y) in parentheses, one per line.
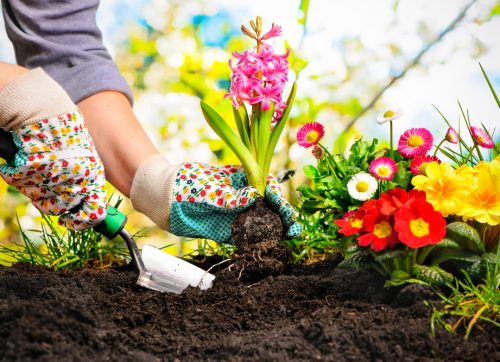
(318, 152)
(258, 77)
(383, 168)
(415, 142)
(390, 115)
(452, 136)
(362, 186)
(444, 188)
(419, 225)
(481, 137)
(310, 134)
(419, 164)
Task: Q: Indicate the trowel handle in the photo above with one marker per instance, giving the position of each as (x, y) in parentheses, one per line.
(114, 222)
(8, 148)
(113, 225)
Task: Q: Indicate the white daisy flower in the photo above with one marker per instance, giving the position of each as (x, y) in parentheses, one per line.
(362, 186)
(390, 115)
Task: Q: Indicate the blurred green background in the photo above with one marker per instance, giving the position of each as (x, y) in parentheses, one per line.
(351, 59)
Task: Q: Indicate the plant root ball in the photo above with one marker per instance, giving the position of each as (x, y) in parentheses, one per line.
(257, 224)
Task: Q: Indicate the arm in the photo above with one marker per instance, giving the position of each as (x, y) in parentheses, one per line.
(65, 41)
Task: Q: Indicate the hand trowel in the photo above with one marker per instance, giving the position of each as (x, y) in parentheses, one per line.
(157, 270)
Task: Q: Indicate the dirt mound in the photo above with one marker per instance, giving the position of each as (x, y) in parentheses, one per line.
(312, 313)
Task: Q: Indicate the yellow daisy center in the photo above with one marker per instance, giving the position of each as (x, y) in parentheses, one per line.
(388, 114)
(383, 171)
(357, 223)
(362, 186)
(419, 227)
(382, 230)
(415, 141)
(312, 136)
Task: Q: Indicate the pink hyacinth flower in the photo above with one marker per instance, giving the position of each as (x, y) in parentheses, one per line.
(415, 142)
(452, 136)
(419, 164)
(310, 134)
(481, 137)
(383, 168)
(266, 94)
(274, 32)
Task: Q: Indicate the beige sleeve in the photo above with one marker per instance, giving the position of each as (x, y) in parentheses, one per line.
(152, 187)
(30, 98)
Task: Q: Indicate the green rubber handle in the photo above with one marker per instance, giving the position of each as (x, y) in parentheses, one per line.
(114, 222)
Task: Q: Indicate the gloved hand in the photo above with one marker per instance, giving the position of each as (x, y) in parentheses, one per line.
(205, 199)
(57, 165)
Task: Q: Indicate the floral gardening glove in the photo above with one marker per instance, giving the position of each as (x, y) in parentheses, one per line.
(202, 201)
(57, 165)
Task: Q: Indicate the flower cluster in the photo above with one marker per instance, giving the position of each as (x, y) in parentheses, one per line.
(396, 217)
(472, 193)
(259, 75)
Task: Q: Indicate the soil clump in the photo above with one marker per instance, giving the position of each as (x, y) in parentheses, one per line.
(257, 233)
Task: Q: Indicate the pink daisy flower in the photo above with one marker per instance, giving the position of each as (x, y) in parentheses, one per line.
(419, 163)
(310, 134)
(318, 152)
(415, 142)
(383, 168)
(481, 137)
(452, 136)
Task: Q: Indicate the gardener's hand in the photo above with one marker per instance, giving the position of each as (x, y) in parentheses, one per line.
(205, 200)
(56, 166)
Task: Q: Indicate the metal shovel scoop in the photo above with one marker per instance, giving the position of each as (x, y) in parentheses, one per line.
(157, 270)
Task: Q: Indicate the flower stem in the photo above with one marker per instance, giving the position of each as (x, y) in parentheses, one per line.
(470, 153)
(438, 147)
(335, 167)
(391, 145)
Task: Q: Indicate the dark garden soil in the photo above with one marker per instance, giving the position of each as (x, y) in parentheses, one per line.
(315, 312)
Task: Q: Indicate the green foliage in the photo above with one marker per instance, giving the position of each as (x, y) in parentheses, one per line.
(65, 249)
(470, 304)
(316, 241)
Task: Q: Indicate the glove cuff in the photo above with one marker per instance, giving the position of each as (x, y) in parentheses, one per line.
(30, 98)
(151, 192)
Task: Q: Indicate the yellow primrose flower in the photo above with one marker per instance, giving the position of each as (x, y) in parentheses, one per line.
(444, 189)
(483, 202)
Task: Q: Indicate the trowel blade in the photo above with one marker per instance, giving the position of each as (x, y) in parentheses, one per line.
(168, 273)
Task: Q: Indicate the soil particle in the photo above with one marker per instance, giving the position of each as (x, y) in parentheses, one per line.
(313, 312)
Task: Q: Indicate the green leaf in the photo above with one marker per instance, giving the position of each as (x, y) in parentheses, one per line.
(310, 171)
(264, 129)
(226, 133)
(398, 277)
(489, 83)
(489, 258)
(242, 123)
(358, 260)
(466, 236)
(441, 255)
(432, 275)
(447, 243)
(278, 128)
